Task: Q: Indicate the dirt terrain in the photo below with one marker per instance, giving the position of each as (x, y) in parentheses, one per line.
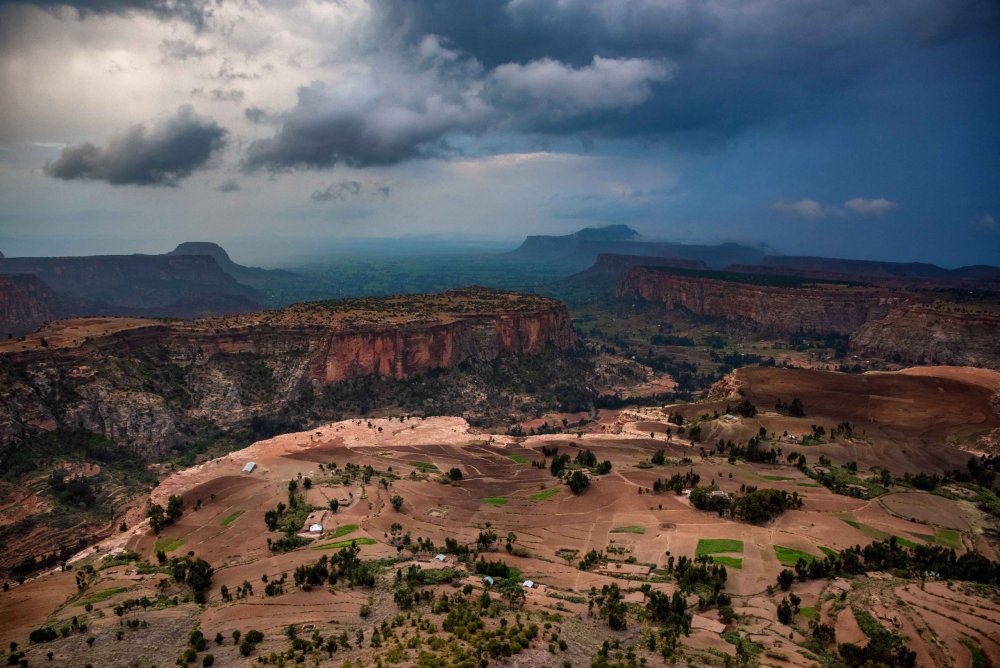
(904, 421)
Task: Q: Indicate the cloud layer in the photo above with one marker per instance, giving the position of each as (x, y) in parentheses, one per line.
(161, 156)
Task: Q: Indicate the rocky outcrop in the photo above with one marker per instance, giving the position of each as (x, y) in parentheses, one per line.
(25, 303)
(143, 387)
(937, 333)
(779, 306)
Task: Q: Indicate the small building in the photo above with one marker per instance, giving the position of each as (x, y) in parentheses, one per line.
(315, 528)
(528, 584)
(441, 557)
(488, 581)
(249, 467)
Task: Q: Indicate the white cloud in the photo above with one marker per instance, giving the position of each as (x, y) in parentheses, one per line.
(870, 207)
(607, 83)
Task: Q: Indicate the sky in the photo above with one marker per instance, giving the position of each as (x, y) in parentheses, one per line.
(845, 128)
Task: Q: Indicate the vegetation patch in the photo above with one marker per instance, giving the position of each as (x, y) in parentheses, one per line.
(229, 519)
(949, 538)
(340, 544)
(103, 595)
(629, 529)
(829, 551)
(808, 612)
(496, 500)
(708, 546)
(877, 534)
(426, 467)
(729, 562)
(789, 556)
(343, 531)
(519, 459)
(545, 494)
(809, 484)
(777, 477)
(166, 544)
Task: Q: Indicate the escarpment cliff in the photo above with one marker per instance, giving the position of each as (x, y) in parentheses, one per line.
(937, 333)
(777, 305)
(145, 387)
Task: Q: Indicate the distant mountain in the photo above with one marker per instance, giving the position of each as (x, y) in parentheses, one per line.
(609, 268)
(264, 280)
(581, 248)
(900, 274)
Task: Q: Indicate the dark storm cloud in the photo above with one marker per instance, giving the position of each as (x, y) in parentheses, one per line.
(160, 156)
(195, 12)
(405, 108)
(229, 186)
(739, 64)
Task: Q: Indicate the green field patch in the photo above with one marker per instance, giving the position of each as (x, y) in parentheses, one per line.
(343, 531)
(519, 459)
(103, 595)
(340, 544)
(789, 556)
(776, 477)
(949, 538)
(718, 545)
(496, 500)
(229, 519)
(545, 494)
(629, 529)
(809, 484)
(808, 612)
(426, 467)
(168, 544)
(877, 534)
(728, 562)
(829, 551)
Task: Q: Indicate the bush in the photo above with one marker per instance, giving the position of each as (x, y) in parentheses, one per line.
(578, 482)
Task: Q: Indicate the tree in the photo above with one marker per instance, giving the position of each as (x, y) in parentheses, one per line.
(511, 539)
(785, 579)
(455, 474)
(396, 501)
(578, 482)
(334, 505)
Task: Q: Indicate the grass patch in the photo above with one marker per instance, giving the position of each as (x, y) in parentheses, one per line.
(717, 545)
(168, 544)
(808, 613)
(496, 500)
(979, 658)
(426, 467)
(949, 538)
(519, 459)
(776, 477)
(545, 494)
(809, 484)
(729, 562)
(229, 519)
(789, 557)
(343, 531)
(829, 551)
(340, 544)
(629, 530)
(877, 534)
(103, 595)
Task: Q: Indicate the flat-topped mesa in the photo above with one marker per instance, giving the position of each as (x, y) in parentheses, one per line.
(778, 304)
(396, 336)
(143, 385)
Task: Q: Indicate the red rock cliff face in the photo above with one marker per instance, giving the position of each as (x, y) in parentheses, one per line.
(778, 310)
(25, 302)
